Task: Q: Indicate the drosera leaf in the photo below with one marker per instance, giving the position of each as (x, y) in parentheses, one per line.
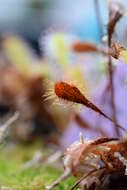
(80, 47)
(71, 93)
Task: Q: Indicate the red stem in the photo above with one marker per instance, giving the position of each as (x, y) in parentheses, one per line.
(111, 76)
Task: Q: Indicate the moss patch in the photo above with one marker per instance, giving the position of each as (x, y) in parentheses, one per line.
(14, 176)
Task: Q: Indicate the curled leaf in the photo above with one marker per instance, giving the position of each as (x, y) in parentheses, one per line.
(115, 50)
(116, 11)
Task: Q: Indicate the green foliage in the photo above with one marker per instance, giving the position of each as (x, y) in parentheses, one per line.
(13, 175)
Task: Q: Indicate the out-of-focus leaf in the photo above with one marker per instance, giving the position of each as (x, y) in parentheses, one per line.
(18, 52)
(20, 55)
(84, 47)
(40, 69)
(62, 50)
(123, 55)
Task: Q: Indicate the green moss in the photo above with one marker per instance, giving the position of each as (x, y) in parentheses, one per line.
(14, 176)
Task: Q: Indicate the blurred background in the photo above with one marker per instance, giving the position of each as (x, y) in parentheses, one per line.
(33, 18)
(36, 45)
(41, 44)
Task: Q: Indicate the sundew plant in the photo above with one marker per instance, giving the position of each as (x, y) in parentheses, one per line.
(63, 110)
